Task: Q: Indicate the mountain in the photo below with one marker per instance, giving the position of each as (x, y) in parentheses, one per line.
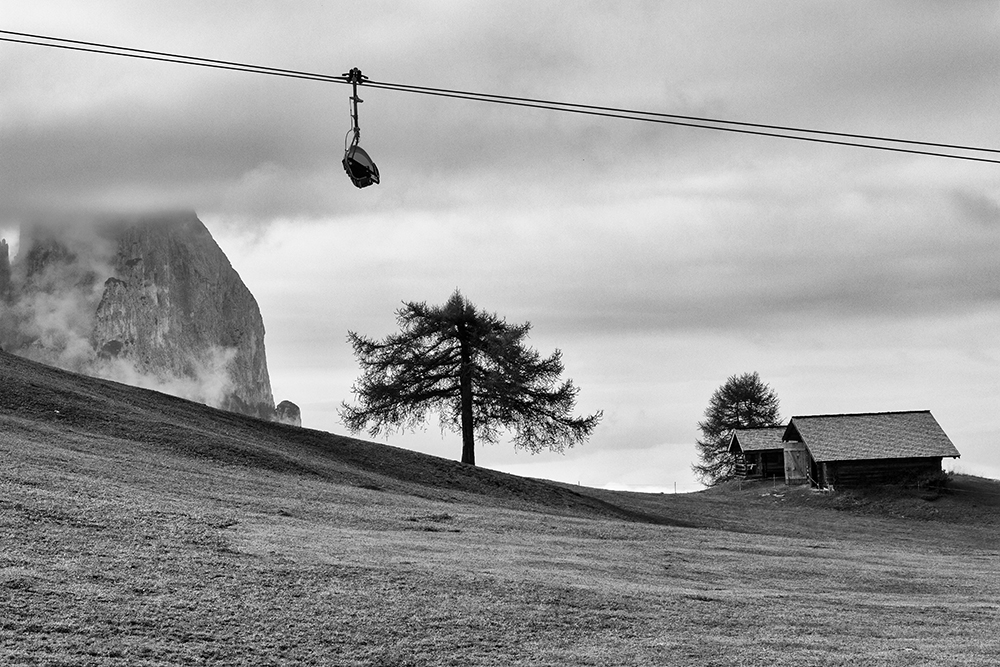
(4, 269)
(152, 301)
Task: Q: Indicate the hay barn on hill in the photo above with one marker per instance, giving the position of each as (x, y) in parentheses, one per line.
(845, 449)
(759, 452)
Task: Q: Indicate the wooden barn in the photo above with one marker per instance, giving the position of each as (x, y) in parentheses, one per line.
(759, 452)
(868, 448)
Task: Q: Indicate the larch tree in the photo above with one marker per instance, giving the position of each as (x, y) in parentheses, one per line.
(744, 401)
(474, 370)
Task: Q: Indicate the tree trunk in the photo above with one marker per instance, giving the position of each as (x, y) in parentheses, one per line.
(465, 391)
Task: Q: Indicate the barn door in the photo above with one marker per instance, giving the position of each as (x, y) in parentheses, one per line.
(796, 463)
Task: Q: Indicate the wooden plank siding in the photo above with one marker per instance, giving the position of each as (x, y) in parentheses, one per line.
(741, 465)
(841, 474)
(797, 463)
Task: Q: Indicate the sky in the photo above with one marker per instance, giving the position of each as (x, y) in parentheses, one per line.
(660, 260)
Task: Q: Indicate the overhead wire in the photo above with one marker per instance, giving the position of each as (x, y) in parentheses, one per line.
(161, 56)
(653, 114)
(892, 144)
(669, 119)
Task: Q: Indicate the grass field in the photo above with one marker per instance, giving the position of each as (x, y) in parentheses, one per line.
(139, 529)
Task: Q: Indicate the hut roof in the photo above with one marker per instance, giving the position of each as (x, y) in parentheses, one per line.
(756, 439)
(873, 435)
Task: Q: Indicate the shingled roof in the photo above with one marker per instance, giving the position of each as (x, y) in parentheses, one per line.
(756, 439)
(874, 435)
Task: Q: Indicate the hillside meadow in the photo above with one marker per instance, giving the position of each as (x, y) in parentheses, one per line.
(141, 529)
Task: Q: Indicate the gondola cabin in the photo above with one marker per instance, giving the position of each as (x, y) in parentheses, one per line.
(360, 167)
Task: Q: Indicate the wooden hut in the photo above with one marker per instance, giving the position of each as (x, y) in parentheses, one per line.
(869, 448)
(759, 452)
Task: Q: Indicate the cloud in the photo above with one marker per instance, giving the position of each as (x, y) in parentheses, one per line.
(115, 133)
(210, 381)
(979, 208)
(58, 281)
(56, 288)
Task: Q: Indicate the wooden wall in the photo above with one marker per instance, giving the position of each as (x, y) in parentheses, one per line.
(839, 474)
(767, 463)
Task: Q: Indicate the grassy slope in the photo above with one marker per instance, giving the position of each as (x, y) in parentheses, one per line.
(136, 528)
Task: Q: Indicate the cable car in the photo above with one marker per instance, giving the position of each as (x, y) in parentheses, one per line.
(359, 166)
(357, 163)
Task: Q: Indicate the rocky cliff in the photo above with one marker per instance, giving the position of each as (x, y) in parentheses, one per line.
(288, 413)
(151, 301)
(4, 271)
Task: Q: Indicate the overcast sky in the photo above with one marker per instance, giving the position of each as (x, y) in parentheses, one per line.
(660, 260)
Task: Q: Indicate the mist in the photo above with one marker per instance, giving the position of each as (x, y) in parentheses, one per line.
(57, 281)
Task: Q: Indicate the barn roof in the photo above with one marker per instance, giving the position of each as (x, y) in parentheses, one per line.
(756, 439)
(873, 435)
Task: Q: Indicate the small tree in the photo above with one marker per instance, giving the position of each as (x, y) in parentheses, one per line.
(744, 401)
(474, 370)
